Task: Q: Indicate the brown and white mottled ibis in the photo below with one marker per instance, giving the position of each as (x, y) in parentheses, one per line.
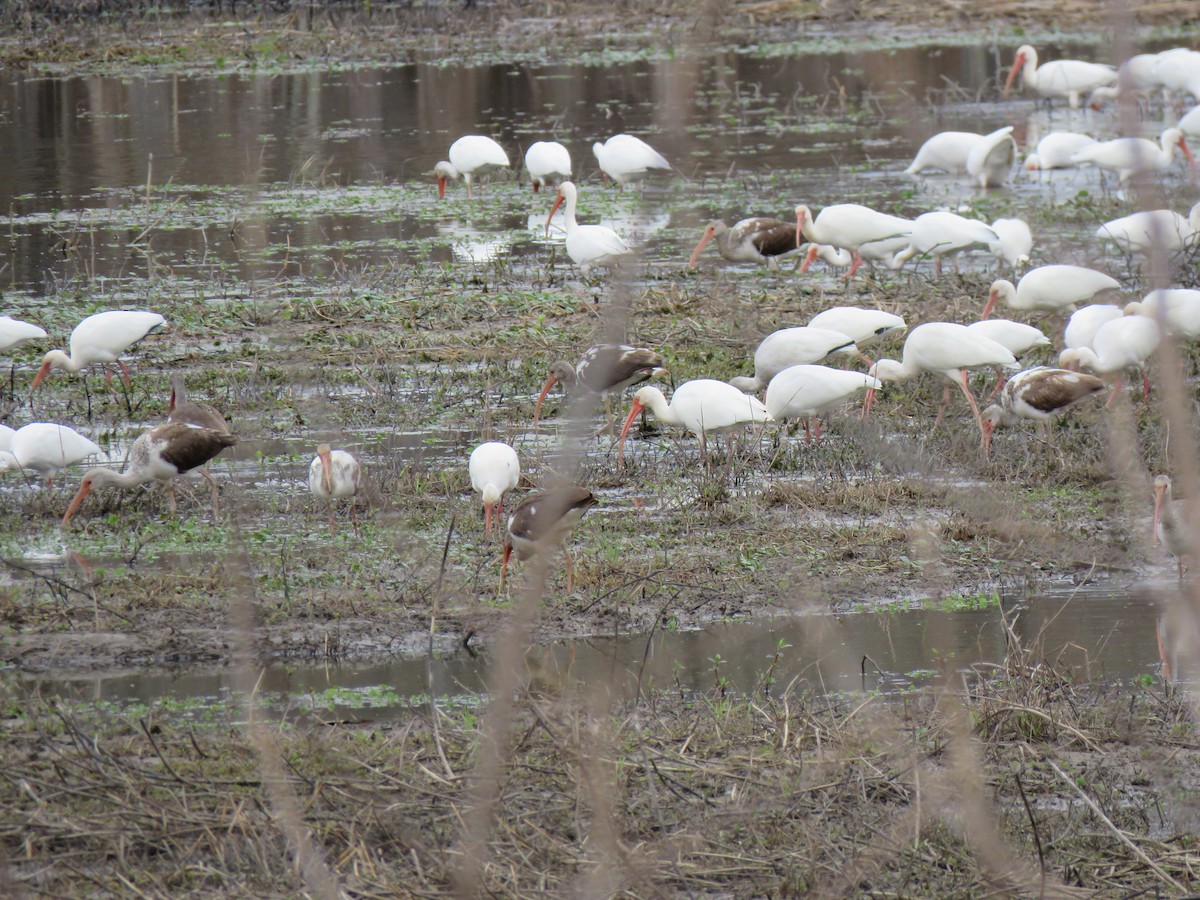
(704, 406)
(808, 392)
(1036, 394)
(14, 333)
(471, 157)
(160, 454)
(587, 245)
(628, 160)
(1055, 288)
(102, 338)
(335, 475)
(543, 521)
(1068, 79)
(494, 469)
(601, 369)
(192, 412)
(760, 240)
(952, 350)
(1120, 344)
(849, 226)
(797, 346)
(1172, 522)
(547, 162)
(1130, 156)
(45, 448)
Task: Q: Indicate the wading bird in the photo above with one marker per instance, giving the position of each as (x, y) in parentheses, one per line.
(1130, 156)
(792, 347)
(1050, 287)
(1123, 343)
(1068, 79)
(703, 407)
(1037, 395)
(1054, 151)
(546, 162)
(45, 448)
(808, 392)
(494, 469)
(941, 233)
(471, 157)
(160, 454)
(587, 245)
(849, 226)
(863, 326)
(1015, 242)
(335, 475)
(627, 159)
(102, 338)
(1153, 231)
(987, 158)
(1172, 523)
(751, 240)
(14, 333)
(543, 521)
(601, 369)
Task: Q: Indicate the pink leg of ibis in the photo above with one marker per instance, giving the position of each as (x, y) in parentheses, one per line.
(125, 373)
(1001, 381)
(857, 261)
(1118, 386)
(942, 408)
(971, 400)
(817, 428)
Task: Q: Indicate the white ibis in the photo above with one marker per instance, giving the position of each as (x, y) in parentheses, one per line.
(14, 333)
(1153, 230)
(1069, 79)
(102, 338)
(335, 475)
(1189, 122)
(46, 448)
(1124, 343)
(1017, 337)
(471, 157)
(494, 469)
(703, 407)
(587, 245)
(808, 392)
(603, 368)
(873, 253)
(627, 159)
(987, 158)
(546, 162)
(544, 521)
(751, 240)
(6, 436)
(1137, 76)
(946, 348)
(863, 326)
(1172, 522)
(191, 412)
(1014, 244)
(941, 233)
(792, 347)
(1178, 71)
(849, 226)
(161, 454)
(1036, 394)
(1054, 151)
(1177, 311)
(1086, 321)
(1049, 287)
(1130, 156)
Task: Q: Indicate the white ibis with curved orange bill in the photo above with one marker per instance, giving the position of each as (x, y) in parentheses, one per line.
(808, 392)
(543, 521)
(863, 326)
(704, 406)
(1120, 344)
(1131, 156)
(587, 245)
(102, 338)
(949, 349)
(848, 226)
(1177, 311)
(1015, 242)
(546, 162)
(14, 333)
(627, 159)
(1152, 231)
(987, 158)
(1054, 150)
(471, 157)
(942, 233)
(494, 469)
(1172, 522)
(1057, 288)
(1036, 394)
(335, 475)
(795, 346)
(1086, 321)
(161, 454)
(45, 448)
(759, 239)
(601, 369)
(1068, 79)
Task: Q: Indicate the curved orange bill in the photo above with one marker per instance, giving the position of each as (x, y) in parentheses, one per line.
(441, 188)
(557, 203)
(327, 468)
(1017, 66)
(41, 373)
(799, 229)
(993, 296)
(1187, 153)
(704, 240)
(487, 517)
(633, 414)
(810, 257)
(537, 410)
(80, 496)
(985, 440)
(1159, 494)
(868, 402)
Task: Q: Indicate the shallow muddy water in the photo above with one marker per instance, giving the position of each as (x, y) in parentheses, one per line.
(1110, 633)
